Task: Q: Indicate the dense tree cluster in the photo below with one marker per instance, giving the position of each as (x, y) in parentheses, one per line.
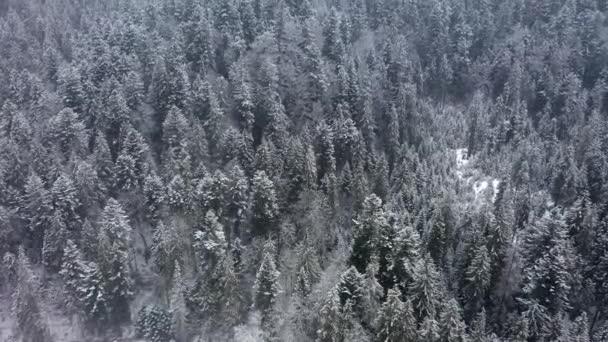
(305, 170)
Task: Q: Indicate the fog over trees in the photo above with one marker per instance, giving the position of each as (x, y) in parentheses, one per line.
(304, 170)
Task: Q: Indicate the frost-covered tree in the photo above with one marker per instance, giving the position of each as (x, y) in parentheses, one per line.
(265, 209)
(451, 326)
(166, 248)
(210, 242)
(395, 321)
(113, 259)
(131, 164)
(368, 226)
(426, 289)
(266, 289)
(27, 307)
(154, 324)
(177, 304)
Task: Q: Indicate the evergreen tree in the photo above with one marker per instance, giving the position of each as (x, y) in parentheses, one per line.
(267, 289)
(351, 289)
(177, 304)
(67, 132)
(166, 250)
(26, 307)
(65, 201)
(113, 261)
(331, 327)
(74, 271)
(53, 243)
(242, 93)
(426, 289)
(451, 325)
(264, 207)
(154, 324)
(477, 279)
(210, 242)
(429, 330)
(36, 204)
(230, 296)
(369, 224)
(479, 329)
(333, 46)
(175, 128)
(395, 321)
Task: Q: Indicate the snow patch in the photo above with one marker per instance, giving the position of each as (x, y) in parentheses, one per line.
(473, 177)
(462, 157)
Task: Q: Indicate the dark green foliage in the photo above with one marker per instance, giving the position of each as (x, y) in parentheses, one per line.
(154, 324)
(151, 148)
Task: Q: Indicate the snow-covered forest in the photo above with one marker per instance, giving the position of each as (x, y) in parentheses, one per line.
(304, 170)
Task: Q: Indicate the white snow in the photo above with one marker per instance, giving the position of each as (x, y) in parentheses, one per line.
(475, 179)
(462, 157)
(495, 183)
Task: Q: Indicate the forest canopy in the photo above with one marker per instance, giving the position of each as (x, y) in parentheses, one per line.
(304, 170)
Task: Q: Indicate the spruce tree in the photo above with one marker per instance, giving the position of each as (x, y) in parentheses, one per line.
(267, 289)
(113, 260)
(451, 326)
(395, 321)
(177, 304)
(31, 324)
(264, 207)
(426, 289)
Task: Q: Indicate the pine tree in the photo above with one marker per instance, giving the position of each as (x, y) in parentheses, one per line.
(31, 325)
(267, 289)
(242, 93)
(168, 86)
(177, 304)
(313, 66)
(333, 46)
(65, 201)
(154, 324)
(264, 207)
(113, 258)
(395, 321)
(154, 192)
(331, 320)
(134, 90)
(479, 329)
(67, 132)
(74, 271)
(36, 204)
(53, 243)
(166, 249)
(553, 270)
(580, 329)
(214, 123)
(250, 24)
(429, 330)
(309, 269)
(210, 242)
(178, 196)
(131, 165)
(477, 279)
(369, 224)
(595, 165)
(103, 162)
(71, 87)
(232, 303)
(451, 326)
(175, 129)
(426, 289)
(91, 190)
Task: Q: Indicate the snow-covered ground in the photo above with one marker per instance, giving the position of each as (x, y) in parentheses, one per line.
(473, 178)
